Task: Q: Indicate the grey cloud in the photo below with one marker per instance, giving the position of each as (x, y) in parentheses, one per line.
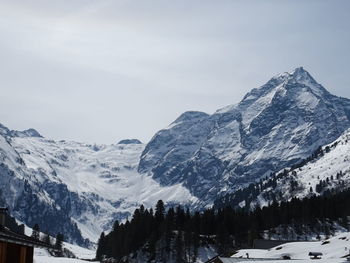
(101, 71)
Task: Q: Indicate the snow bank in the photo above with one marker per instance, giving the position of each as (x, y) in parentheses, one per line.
(333, 248)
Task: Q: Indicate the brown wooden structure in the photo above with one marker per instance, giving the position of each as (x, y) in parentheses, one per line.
(11, 253)
(14, 247)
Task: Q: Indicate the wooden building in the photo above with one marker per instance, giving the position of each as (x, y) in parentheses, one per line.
(14, 247)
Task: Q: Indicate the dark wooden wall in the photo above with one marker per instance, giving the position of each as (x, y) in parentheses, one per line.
(13, 253)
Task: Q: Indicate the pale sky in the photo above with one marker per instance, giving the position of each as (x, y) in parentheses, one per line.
(99, 71)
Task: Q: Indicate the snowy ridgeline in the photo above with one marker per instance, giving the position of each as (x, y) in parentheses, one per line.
(333, 250)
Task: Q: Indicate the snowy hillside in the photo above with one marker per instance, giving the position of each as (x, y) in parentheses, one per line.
(42, 254)
(92, 185)
(273, 127)
(328, 170)
(333, 250)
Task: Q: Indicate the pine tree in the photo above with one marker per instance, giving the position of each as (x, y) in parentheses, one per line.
(222, 239)
(160, 211)
(36, 232)
(116, 225)
(101, 246)
(59, 241)
(47, 239)
(169, 225)
(179, 248)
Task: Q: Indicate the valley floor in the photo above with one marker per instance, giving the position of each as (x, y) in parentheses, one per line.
(333, 250)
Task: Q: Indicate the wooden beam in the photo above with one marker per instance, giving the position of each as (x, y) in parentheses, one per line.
(3, 249)
(22, 257)
(30, 254)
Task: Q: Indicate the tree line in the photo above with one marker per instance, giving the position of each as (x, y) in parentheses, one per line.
(46, 238)
(178, 233)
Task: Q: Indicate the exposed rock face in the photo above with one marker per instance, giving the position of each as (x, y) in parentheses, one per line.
(4, 131)
(130, 141)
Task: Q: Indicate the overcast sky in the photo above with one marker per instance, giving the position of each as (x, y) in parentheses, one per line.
(99, 71)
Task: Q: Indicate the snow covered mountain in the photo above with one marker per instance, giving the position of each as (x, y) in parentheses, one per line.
(327, 170)
(76, 188)
(81, 189)
(273, 127)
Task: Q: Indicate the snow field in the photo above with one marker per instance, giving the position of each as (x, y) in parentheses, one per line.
(332, 249)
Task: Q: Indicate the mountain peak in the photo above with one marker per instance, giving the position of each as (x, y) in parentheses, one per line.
(299, 70)
(130, 141)
(191, 115)
(4, 131)
(298, 74)
(296, 78)
(301, 75)
(26, 133)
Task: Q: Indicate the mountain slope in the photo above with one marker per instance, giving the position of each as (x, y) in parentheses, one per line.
(86, 186)
(274, 126)
(327, 170)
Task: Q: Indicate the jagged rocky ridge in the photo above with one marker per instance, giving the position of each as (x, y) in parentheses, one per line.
(273, 127)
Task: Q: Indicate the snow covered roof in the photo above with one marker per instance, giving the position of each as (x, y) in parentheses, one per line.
(15, 238)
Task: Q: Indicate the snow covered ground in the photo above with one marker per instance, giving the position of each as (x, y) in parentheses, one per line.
(49, 259)
(205, 253)
(333, 250)
(290, 261)
(42, 256)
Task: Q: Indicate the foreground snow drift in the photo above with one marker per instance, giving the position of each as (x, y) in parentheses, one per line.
(42, 255)
(333, 248)
(48, 259)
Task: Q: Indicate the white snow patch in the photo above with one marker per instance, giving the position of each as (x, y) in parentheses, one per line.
(333, 248)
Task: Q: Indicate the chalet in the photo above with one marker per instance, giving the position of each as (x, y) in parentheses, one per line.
(14, 247)
(268, 244)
